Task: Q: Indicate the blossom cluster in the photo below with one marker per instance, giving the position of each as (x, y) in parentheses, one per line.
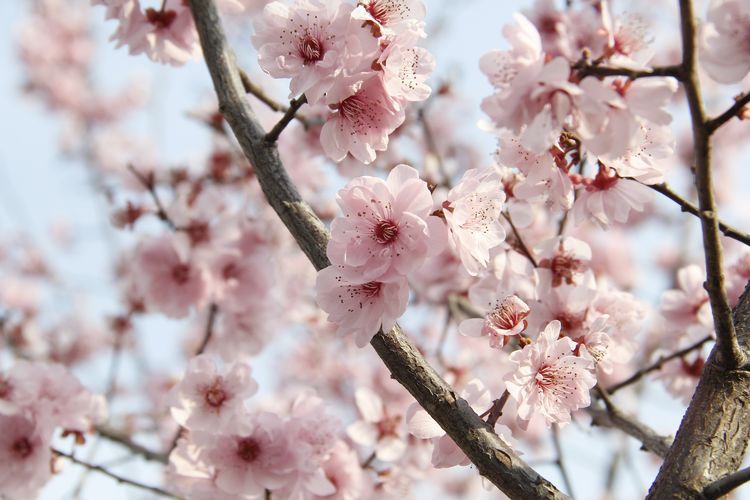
(361, 61)
(36, 399)
(228, 451)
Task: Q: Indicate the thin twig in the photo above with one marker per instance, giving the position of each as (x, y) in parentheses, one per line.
(726, 337)
(657, 365)
(297, 103)
(732, 112)
(522, 246)
(148, 183)
(587, 68)
(726, 484)
(429, 139)
(213, 310)
(117, 437)
(496, 410)
(560, 461)
(686, 206)
(251, 88)
(118, 478)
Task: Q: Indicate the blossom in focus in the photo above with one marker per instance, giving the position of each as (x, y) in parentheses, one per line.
(311, 42)
(208, 396)
(608, 198)
(382, 234)
(363, 117)
(549, 379)
(360, 309)
(724, 46)
(392, 17)
(472, 215)
(506, 317)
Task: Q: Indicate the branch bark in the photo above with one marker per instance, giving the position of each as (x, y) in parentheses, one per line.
(485, 449)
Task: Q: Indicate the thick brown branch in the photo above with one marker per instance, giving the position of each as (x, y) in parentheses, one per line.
(118, 478)
(688, 207)
(485, 449)
(726, 337)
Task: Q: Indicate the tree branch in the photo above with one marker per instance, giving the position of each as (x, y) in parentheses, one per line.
(119, 438)
(119, 479)
(612, 417)
(734, 111)
(586, 68)
(251, 88)
(688, 207)
(727, 484)
(726, 337)
(147, 181)
(485, 449)
(273, 135)
(657, 365)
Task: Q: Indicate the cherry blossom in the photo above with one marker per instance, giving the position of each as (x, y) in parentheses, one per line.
(724, 48)
(377, 428)
(311, 42)
(563, 261)
(688, 304)
(170, 283)
(472, 214)
(208, 397)
(506, 317)
(24, 455)
(549, 379)
(406, 70)
(364, 116)
(382, 234)
(360, 309)
(392, 17)
(256, 456)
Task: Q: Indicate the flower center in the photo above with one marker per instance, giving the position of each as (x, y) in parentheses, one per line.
(545, 377)
(22, 447)
(248, 449)
(215, 395)
(310, 49)
(352, 107)
(563, 267)
(385, 232)
(371, 289)
(389, 426)
(181, 273)
(162, 19)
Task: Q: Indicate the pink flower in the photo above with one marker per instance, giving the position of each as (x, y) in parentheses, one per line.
(208, 397)
(646, 159)
(255, 457)
(168, 282)
(241, 280)
(166, 35)
(406, 70)
(392, 17)
(343, 470)
(360, 309)
(52, 394)
(363, 118)
(472, 213)
(607, 198)
(725, 42)
(506, 318)
(688, 304)
(24, 455)
(382, 234)
(377, 428)
(311, 42)
(549, 379)
(563, 261)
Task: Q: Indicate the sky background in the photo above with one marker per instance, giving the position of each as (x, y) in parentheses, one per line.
(43, 195)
